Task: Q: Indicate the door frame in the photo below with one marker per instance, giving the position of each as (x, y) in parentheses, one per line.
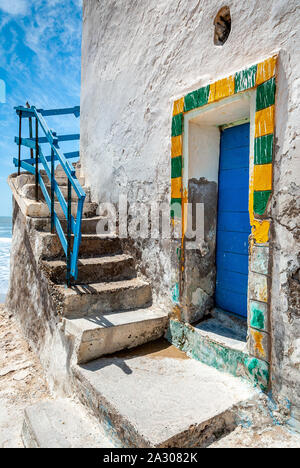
(209, 117)
(261, 79)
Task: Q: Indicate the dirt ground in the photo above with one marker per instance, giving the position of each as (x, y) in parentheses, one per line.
(21, 381)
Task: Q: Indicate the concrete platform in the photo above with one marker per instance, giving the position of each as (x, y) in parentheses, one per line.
(61, 424)
(115, 331)
(225, 329)
(154, 396)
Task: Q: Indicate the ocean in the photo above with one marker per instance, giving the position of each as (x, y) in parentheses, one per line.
(5, 243)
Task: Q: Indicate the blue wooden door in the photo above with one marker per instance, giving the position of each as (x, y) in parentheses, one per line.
(233, 227)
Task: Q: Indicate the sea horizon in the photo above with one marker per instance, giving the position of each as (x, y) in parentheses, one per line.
(5, 245)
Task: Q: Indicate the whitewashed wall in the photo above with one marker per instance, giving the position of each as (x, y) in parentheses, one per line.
(137, 57)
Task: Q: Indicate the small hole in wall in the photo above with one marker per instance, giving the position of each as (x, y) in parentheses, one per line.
(222, 25)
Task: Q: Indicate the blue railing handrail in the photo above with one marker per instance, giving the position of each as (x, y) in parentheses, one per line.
(32, 165)
(27, 111)
(30, 142)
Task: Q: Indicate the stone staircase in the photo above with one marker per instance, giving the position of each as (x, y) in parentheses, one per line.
(109, 308)
(149, 394)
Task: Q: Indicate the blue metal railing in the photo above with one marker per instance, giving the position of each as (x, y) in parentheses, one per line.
(32, 165)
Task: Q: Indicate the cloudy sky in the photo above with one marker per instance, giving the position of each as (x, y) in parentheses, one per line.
(40, 45)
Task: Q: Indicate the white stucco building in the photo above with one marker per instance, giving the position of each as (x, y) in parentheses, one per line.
(137, 59)
(193, 106)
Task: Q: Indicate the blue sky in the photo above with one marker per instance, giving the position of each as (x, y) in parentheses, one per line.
(40, 48)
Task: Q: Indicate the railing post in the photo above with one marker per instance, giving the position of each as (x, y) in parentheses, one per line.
(52, 191)
(20, 137)
(30, 129)
(36, 159)
(69, 221)
(52, 187)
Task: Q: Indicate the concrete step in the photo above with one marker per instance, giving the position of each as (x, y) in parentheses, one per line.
(63, 180)
(98, 298)
(61, 424)
(169, 400)
(114, 331)
(40, 209)
(89, 225)
(60, 178)
(59, 171)
(28, 191)
(91, 245)
(94, 269)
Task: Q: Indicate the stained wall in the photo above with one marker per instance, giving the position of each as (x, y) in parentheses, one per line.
(137, 58)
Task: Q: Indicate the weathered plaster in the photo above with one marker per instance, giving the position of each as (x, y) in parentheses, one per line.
(200, 271)
(126, 110)
(34, 303)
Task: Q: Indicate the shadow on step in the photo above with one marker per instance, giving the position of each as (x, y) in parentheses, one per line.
(81, 289)
(159, 349)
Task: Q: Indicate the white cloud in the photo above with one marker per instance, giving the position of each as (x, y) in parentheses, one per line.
(15, 7)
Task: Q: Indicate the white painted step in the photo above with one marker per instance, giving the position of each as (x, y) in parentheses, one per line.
(40, 209)
(60, 177)
(154, 396)
(105, 334)
(61, 424)
(28, 191)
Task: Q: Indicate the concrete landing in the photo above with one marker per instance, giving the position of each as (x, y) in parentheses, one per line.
(225, 329)
(61, 424)
(154, 396)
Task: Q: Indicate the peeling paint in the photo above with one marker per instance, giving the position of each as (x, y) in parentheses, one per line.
(178, 107)
(175, 294)
(260, 260)
(259, 315)
(258, 338)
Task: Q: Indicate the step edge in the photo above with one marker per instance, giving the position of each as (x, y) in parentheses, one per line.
(74, 329)
(114, 287)
(107, 259)
(102, 406)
